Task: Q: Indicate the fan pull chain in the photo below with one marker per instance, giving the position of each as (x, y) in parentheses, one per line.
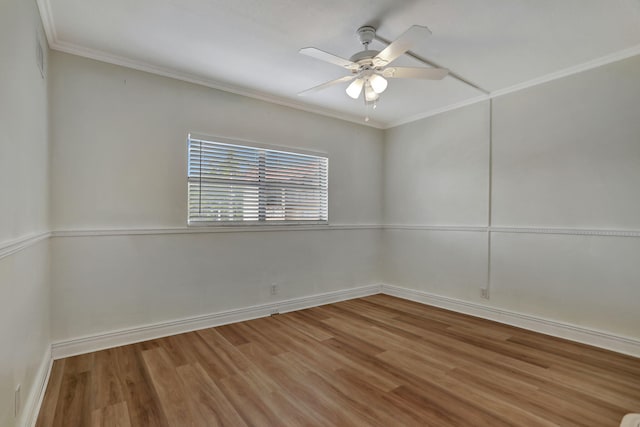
(366, 106)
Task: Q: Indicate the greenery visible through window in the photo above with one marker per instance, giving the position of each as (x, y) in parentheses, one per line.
(232, 183)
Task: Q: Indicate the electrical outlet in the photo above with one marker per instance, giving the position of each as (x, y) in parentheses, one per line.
(484, 293)
(16, 405)
(274, 289)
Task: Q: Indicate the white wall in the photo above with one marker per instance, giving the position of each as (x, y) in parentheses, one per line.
(590, 281)
(24, 286)
(437, 170)
(437, 174)
(119, 162)
(565, 154)
(119, 146)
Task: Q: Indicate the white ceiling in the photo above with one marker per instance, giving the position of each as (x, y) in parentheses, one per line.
(251, 46)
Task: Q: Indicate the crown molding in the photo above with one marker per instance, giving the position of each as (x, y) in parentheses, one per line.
(55, 43)
(210, 83)
(46, 15)
(566, 72)
(585, 66)
(437, 111)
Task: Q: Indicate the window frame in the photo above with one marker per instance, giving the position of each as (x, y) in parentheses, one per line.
(256, 145)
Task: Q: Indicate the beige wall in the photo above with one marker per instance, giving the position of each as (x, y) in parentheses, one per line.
(24, 170)
(565, 154)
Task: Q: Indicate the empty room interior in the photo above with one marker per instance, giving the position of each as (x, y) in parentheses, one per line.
(319, 213)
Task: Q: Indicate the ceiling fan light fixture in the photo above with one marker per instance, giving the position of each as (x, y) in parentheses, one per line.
(369, 71)
(370, 95)
(378, 83)
(355, 88)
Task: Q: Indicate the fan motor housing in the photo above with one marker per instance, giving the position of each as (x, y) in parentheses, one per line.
(366, 34)
(364, 55)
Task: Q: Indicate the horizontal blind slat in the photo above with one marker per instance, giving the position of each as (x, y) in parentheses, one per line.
(236, 183)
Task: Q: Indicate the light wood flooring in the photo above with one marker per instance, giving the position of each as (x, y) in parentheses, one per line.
(375, 361)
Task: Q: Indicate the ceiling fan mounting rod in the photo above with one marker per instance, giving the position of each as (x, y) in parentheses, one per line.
(366, 34)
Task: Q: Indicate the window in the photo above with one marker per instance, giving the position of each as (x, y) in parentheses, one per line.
(240, 184)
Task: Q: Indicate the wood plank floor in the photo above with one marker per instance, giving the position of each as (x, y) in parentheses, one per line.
(375, 361)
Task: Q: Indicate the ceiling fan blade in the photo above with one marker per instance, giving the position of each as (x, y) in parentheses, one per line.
(328, 57)
(405, 42)
(415, 73)
(327, 84)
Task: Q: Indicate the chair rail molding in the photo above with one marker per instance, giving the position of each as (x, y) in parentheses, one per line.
(13, 246)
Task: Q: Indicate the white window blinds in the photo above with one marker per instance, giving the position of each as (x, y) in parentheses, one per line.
(231, 183)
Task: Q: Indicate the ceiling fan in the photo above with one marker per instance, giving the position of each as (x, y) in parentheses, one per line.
(370, 68)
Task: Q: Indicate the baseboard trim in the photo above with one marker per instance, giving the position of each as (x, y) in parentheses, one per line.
(554, 328)
(117, 338)
(31, 408)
